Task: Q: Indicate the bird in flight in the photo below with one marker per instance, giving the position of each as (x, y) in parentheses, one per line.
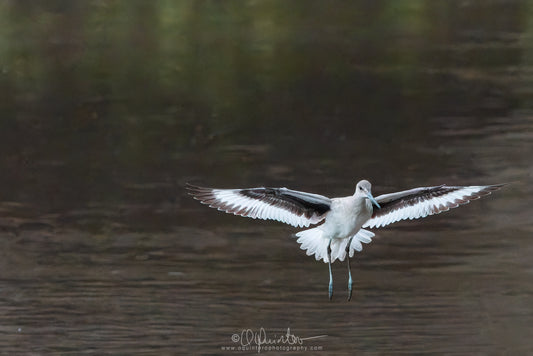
(342, 221)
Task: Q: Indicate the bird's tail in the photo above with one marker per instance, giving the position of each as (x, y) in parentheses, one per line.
(314, 242)
(363, 236)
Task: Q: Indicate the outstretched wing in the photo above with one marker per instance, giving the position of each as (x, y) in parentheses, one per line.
(421, 202)
(288, 206)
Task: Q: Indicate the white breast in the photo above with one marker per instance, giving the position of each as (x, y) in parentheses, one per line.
(346, 217)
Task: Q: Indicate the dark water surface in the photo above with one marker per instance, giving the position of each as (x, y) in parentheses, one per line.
(109, 107)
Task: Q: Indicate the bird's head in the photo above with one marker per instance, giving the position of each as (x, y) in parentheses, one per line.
(364, 188)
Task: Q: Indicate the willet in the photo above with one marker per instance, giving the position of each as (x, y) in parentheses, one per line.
(342, 219)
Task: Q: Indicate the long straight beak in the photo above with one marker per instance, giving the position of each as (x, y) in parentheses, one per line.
(373, 200)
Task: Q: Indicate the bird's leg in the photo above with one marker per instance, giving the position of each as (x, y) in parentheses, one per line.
(330, 289)
(349, 269)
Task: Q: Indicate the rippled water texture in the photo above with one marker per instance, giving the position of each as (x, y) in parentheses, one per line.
(109, 107)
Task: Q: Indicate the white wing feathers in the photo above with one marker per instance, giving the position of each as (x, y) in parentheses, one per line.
(421, 202)
(292, 207)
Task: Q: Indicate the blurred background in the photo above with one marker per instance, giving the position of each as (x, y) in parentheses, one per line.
(109, 107)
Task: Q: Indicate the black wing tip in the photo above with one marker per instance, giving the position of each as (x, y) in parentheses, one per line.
(498, 186)
(192, 189)
(192, 186)
(493, 187)
(484, 188)
(199, 193)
